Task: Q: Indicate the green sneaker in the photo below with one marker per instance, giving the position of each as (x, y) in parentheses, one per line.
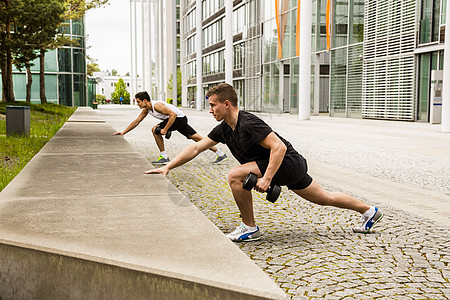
(220, 159)
(161, 160)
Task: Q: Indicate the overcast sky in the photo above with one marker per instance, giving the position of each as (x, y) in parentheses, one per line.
(108, 31)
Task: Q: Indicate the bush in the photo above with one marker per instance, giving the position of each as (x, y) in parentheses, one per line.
(100, 99)
(170, 101)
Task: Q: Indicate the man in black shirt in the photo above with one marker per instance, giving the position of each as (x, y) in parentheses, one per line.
(265, 153)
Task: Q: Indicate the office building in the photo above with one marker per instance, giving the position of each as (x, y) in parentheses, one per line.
(355, 59)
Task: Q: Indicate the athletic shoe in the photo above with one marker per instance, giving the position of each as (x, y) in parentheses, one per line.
(368, 223)
(161, 160)
(220, 159)
(243, 234)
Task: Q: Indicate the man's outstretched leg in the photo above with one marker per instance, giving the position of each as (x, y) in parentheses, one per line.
(221, 157)
(315, 193)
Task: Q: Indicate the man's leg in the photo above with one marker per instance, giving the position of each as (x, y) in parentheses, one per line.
(163, 158)
(316, 194)
(243, 197)
(158, 139)
(197, 137)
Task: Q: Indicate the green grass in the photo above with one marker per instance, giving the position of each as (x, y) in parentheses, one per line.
(16, 150)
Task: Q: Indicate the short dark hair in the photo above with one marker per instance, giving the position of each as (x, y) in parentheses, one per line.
(223, 92)
(142, 96)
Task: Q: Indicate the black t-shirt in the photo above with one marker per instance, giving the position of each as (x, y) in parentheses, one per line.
(244, 141)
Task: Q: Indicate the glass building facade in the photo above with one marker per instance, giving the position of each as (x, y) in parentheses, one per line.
(374, 61)
(66, 80)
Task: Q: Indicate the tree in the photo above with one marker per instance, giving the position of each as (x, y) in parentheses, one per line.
(75, 9)
(30, 25)
(7, 11)
(114, 72)
(121, 91)
(27, 23)
(92, 66)
(25, 26)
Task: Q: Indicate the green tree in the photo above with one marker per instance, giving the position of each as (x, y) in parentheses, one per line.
(100, 99)
(75, 10)
(121, 91)
(30, 25)
(114, 72)
(27, 25)
(92, 66)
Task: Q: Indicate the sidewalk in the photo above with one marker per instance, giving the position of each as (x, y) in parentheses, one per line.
(310, 251)
(82, 221)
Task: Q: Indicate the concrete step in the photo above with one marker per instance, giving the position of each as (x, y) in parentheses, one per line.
(82, 221)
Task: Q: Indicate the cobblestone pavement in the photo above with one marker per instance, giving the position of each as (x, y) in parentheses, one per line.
(308, 250)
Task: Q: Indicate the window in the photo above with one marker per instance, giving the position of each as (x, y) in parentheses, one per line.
(210, 7)
(238, 56)
(213, 33)
(239, 20)
(214, 63)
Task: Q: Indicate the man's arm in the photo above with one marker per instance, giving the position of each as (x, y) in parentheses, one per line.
(161, 108)
(184, 156)
(134, 123)
(277, 151)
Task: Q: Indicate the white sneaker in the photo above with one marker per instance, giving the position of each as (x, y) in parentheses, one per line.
(368, 223)
(243, 234)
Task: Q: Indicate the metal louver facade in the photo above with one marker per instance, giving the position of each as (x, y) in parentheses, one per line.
(389, 67)
(252, 68)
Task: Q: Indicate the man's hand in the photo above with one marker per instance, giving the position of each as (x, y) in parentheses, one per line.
(163, 171)
(262, 184)
(163, 131)
(118, 132)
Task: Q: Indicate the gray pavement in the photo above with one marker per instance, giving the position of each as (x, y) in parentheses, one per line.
(310, 251)
(82, 221)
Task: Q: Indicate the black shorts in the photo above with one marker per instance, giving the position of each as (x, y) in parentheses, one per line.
(292, 172)
(181, 125)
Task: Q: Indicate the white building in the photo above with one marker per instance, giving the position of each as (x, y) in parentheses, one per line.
(106, 84)
(154, 39)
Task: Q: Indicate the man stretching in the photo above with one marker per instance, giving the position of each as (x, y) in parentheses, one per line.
(265, 153)
(172, 119)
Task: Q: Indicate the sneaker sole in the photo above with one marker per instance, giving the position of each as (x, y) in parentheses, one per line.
(247, 240)
(160, 163)
(218, 163)
(374, 223)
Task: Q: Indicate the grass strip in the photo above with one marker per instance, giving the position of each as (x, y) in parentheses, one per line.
(17, 150)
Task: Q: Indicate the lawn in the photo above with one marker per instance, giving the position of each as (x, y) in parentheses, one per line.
(15, 150)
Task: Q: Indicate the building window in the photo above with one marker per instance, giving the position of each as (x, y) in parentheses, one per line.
(210, 7)
(214, 63)
(190, 20)
(190, 45)
(213, 33)
(429, 21)
(239, 20)
(238, 56)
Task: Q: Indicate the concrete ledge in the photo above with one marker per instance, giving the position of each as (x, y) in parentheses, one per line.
(85, 114)
(54, 276)
(82, 221)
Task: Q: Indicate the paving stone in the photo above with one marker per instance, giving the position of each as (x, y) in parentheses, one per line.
(311, 251)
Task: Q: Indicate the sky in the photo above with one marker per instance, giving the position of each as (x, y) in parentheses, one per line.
(108, 31)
